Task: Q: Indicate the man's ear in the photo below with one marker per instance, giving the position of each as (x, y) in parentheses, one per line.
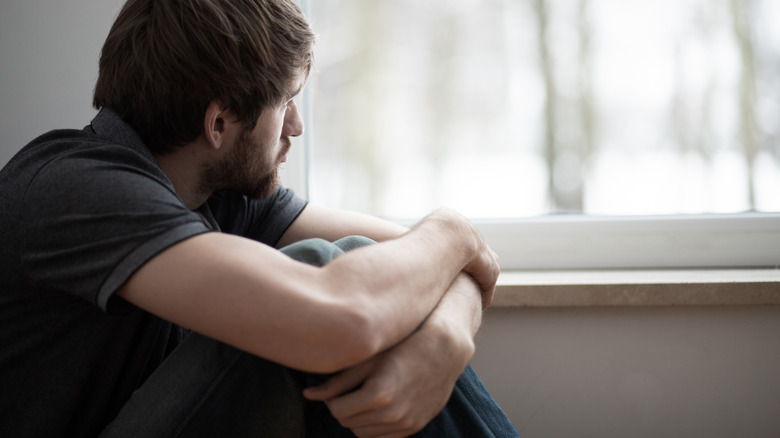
(216, 123)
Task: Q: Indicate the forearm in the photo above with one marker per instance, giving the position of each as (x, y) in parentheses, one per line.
(333, 224)
(409, 277)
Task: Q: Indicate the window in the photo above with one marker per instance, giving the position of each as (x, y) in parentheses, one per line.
(519, 110)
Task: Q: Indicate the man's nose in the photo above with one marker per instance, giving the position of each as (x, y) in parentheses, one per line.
(293, 123)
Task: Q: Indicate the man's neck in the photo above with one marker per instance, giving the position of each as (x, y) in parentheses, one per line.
(183, 167)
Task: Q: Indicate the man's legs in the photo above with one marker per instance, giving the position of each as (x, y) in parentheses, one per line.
(206, 388)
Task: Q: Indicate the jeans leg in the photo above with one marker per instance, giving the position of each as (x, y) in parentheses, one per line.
(470, 413)
(206, 388)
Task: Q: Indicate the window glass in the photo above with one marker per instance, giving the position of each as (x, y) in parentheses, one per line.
(516, 108)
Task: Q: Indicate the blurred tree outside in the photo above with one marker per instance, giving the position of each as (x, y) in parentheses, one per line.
(512, 108)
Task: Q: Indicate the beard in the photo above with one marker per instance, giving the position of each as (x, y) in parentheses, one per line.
(246, 169)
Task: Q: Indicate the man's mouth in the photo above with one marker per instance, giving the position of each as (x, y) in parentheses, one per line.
(286, 145)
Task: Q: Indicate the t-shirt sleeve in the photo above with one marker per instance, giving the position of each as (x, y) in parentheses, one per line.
(264, 220)
(90, 223)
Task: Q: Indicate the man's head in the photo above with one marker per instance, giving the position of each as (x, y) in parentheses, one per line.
(249, 163)
(165, 61)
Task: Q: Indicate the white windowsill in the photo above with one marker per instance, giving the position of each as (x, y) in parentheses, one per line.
(636, 287)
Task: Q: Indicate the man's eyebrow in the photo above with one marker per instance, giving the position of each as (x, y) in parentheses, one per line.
(291, 96)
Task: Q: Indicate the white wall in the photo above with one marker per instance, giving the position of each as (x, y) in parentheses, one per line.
(635, 372)
(49, 52)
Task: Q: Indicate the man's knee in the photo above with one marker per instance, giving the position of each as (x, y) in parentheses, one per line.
(352, 242)
(318, 252)
(315, 252)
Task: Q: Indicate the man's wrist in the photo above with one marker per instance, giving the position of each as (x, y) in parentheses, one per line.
(457, 318)
(458, 338)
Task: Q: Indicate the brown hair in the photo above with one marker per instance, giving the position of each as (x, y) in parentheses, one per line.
(164, 61)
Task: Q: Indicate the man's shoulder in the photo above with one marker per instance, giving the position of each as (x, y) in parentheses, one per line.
(45, 148)
(71, 148)
(82, 173)
(106, 139)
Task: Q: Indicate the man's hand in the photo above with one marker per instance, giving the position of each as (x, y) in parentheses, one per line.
(397, 392)
(484, 265)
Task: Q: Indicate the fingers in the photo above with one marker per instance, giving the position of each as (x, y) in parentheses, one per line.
(494, 270)
(369, 398)
(373, 412)
(485, 270)
(341, 383)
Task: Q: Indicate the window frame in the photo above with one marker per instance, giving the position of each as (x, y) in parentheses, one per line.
(750, 240)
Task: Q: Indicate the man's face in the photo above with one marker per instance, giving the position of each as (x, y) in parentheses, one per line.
(251, 167)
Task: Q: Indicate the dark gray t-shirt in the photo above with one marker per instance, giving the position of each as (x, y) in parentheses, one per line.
(80, 212)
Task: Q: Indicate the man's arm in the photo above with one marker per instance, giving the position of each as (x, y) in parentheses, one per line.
(333, 224)
(316, 319)
(403, 388)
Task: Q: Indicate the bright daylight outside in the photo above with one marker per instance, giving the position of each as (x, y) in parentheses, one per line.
(517, 108)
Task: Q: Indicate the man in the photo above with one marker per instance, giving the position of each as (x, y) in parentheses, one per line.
(164, 215)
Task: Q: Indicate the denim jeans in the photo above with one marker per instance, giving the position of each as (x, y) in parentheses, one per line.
(209, 389)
